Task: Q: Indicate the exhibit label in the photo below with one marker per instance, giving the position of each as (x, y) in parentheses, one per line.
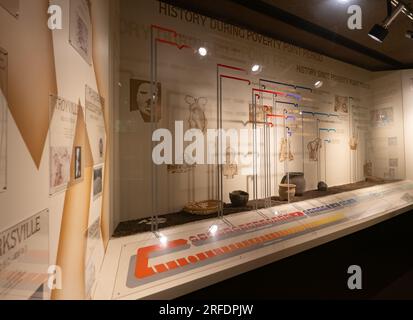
(24, 258)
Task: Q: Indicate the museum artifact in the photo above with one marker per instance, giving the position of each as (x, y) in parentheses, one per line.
(230, 168)
(368, 169)
(287, 192)
(298, 179)
(197, 118)
(203, 207)
(353, 143)
(313, 148)
(285, 152)
(239, 198)
(322, 186)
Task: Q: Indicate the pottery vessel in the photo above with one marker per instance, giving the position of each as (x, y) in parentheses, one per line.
(239, 198)
(287, 191)
(298, 179)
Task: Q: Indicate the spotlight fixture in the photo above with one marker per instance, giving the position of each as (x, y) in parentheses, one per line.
(213, 229)
(380, 31)
(203, 51)
(256, 68)
(409, 34)
(318, 84)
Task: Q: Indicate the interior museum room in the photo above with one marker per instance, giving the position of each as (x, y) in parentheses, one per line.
(159, 150)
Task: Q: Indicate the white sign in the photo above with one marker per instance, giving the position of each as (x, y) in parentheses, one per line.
(95, 124)
(24, 258)
(62, 135)
(95, 253)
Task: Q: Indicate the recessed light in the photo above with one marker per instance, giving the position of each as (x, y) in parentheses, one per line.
(256, 68)
(203, 51)
(318, 84)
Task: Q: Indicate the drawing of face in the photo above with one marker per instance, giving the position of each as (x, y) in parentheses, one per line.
(143, 99)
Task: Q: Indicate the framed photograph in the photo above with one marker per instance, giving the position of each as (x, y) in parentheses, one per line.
(78, 163)
(11, 6)
(80, 28)
(97, 181)
(140, 99)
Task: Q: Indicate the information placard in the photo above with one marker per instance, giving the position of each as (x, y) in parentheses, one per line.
(24, 258)
(62, 134)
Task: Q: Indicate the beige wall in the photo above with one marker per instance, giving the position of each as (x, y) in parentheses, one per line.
(28, 174)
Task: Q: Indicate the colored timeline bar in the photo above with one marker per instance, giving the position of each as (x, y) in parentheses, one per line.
(320, 114)
(174, 34)
(328, 129)
(287, 85)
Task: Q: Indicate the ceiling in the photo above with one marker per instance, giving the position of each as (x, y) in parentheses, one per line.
(320, 26)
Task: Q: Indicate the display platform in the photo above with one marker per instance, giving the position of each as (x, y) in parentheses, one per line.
(191, 257)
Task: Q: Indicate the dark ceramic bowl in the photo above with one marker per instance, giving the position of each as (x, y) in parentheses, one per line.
(239, 198)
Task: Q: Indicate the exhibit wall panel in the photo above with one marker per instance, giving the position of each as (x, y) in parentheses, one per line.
(387, 145)
(61, 183)
(407, 78)
(188, 89)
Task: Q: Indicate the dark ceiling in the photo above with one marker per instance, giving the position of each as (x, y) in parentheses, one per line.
(320, 26)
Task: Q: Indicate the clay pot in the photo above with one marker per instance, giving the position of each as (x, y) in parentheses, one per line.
(298, 179)
(287, 191)
(239, 198)
(322, 186)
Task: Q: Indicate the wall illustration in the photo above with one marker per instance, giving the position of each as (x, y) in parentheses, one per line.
(230, 169)
(382, 117)
(261, 111)
(197, 118)
(313, 148)
(341, 104)
(140, 99)
(81, 28)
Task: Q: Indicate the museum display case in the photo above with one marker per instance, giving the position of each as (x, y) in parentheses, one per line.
(230, 112)
(148, 150)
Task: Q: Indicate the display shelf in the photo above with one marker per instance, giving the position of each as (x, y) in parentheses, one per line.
(138, 267)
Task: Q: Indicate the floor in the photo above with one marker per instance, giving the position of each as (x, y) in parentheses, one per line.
(384, 252)
(179, 218)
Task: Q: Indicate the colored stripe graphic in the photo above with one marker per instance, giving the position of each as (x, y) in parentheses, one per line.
(143, 270)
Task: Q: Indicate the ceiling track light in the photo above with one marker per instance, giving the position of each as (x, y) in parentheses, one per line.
(380, 31)
(408, 11)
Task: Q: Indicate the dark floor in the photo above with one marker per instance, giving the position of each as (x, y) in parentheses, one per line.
(174, 219)
(384, 252)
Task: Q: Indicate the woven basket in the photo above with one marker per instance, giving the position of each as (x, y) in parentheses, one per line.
(203, 208)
